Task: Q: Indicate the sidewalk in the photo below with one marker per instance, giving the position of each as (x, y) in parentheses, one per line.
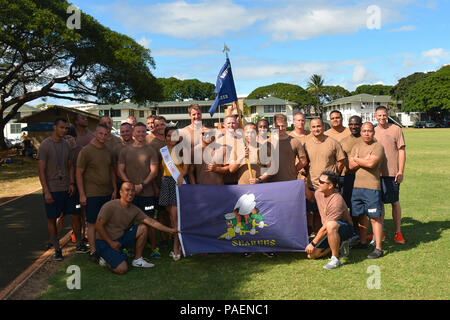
(23, 235)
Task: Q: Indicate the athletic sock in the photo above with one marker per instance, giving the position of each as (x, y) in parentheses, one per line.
(55, 242)
(78, 238)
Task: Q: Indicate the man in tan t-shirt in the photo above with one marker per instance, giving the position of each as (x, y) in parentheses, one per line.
(324, 154)
(302, 134)
(337, 130)
(347, 177)
(337, 226)
(291, 154)
(56, 174)
(96, 180)
(138, 163)
(392, 169)
(365, 159)
(151, 128)
(212, 169)
(115, 234)
(249, 157)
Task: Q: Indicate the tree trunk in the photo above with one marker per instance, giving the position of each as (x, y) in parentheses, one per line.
(2, 136)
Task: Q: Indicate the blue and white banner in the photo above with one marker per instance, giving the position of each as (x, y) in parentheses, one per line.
(226, 92)
(266, 217)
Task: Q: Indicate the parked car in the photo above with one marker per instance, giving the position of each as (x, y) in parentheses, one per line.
(444, 124)
(419, 124)
(431, 124)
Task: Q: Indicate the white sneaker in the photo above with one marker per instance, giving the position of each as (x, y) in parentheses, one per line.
(141, 263)
(333, 263)
(102, 262)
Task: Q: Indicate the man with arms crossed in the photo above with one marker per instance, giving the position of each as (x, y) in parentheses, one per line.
(138, 164)
(337, 226)
(366, 158)
(391, 138)
(56, 174)
(115, 234)
(96, 180)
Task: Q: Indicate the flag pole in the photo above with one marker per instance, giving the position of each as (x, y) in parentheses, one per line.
(241, 124)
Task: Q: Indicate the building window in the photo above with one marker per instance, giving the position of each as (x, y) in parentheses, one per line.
(116, 113)
(268, 109)
(15, 128)
(131, 112)
(141, 114)
(253, 109)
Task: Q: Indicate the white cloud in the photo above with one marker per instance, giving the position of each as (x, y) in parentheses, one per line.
(144, 42)
(436, 55)
(302, 24)
(359, 74)
(204, 19)
(403, 29)
(183, 53)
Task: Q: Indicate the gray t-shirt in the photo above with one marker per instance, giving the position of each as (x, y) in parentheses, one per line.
(56, 156)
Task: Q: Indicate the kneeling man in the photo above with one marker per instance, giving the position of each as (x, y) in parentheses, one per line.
(116, 230)
(337, 225)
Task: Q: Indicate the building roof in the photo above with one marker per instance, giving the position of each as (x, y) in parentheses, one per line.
(30, 118)
(268, 101)
(186, 103)
(23, 108)
(363, 97)
(120, 106)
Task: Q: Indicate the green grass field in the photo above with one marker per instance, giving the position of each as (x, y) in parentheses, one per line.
(416, 270)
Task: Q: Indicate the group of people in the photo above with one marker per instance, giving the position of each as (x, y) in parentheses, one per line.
(113, 182)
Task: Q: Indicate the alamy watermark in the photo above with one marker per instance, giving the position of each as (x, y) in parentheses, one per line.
(374, 19)
(74, 20)
(374, 280)
(73, 282)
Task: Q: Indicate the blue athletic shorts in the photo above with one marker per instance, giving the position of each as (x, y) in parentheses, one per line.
(74, 203)
(113, 257)
(345, 232)
(93, 206)
(62, 205)
(146, 204)
(366, 202)
(390, 191)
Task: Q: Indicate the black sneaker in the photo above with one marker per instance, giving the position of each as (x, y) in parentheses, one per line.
(82, 249)
(269, 255)
(58, 255)
(361, 246)
(94, 257)
(247, 254)
(376, 254)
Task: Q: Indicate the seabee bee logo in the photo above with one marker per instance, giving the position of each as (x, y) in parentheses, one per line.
(244, 219)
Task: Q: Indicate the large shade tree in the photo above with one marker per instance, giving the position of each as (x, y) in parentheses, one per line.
(41, 56)
(174, 88)
(284, 91)
(431, 94)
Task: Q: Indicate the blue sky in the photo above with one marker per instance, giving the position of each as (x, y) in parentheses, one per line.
(347, 42)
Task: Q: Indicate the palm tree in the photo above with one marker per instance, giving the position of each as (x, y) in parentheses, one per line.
(315, 86)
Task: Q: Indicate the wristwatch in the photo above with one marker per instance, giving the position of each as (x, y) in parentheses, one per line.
(143, 185)
(313, 244)
(260, 180)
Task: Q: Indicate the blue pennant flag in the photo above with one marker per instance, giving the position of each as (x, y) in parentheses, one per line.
(225, 90)
(264, 217)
